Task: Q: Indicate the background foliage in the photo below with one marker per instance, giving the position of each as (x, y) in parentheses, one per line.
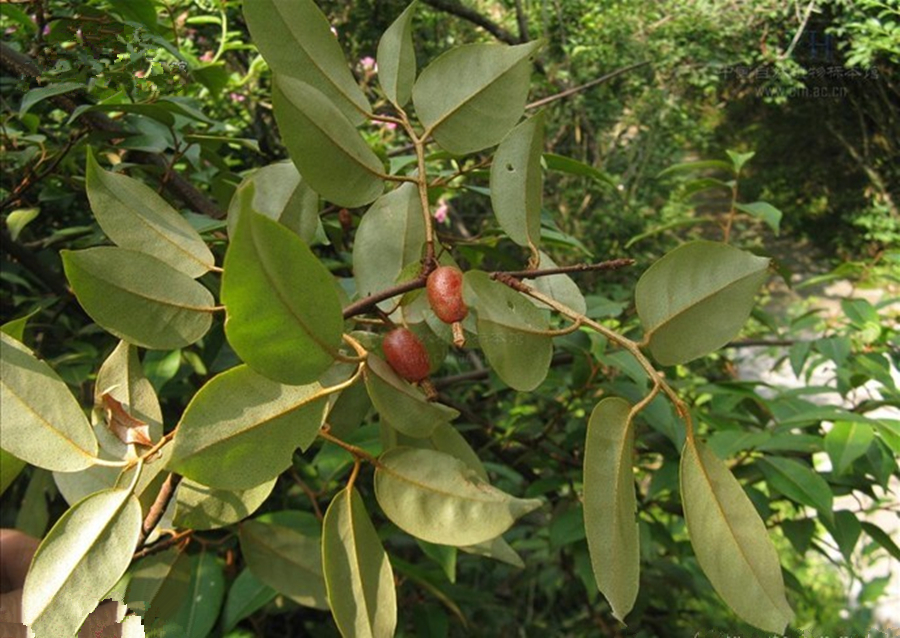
(176, 95)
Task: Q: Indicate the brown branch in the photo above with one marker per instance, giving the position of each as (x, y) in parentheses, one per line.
(166, 492)
(21, 65)
(583, 87)
(612, 264)
(522, 21)
(459, 10)
(162, 545)
(367, 303)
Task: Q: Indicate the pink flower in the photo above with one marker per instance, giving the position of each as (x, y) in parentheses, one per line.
(334, 31)
(442, 211)
(139, 74)
(237, 97)
(368, 63)
(207, 57)
(391, 126)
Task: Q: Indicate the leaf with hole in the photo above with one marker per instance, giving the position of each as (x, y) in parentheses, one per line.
(438, 498)
(610, 517)
(696, 299)
(41, 422)
(471, 96)
(139, 298)
(81, 558)
(358, 574)
(283, 313)
(241, 429)
(329, 152)
(134, 216)
(296, 40)
(397, 58)
(517, 182)
(731, 542)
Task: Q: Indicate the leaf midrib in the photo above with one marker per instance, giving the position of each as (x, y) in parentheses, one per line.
(775, 604)
(682, 311)
(440, 121)
(61, 435)
(145, 220)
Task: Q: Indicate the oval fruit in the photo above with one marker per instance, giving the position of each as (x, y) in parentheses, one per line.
(406, 354)
(444, 288)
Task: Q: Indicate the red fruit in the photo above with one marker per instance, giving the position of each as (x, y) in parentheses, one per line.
(406, 354)
(444, 288)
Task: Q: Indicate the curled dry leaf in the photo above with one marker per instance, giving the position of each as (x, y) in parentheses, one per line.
(127, 428)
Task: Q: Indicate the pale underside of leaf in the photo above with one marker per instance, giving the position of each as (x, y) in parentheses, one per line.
(609, 504)
(731, 542)
(40, 417)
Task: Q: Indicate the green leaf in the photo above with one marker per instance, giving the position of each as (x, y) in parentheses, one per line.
(134, 216)
(329, 152)
(358, 574)
(497, 549)
(400, 404)
(41, 422)
(568, 165)
(471, 96)
(15, 328)
(283, 313)
(121, 377)
(247, 595)
(702, 165)
(846, 442)
(517, 182)
(437, 498)
(509, 331)
(10, 467)
(731, 542)
(296, 40)
(139, 298)
(18, 219)
(390, 237)
(241, 429)
(201, 507)
(763, 211)
(75, 486)
(397, 58)
(285, 554)
(196, 616)
(845, 529)
(800, 533)
(159, 585)
(559, 287)
(798, 482)
(739, 159)
(35, 96)
(882, 538)
(696, 299)
(280, 194)
(610, 521)
(79, 561)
